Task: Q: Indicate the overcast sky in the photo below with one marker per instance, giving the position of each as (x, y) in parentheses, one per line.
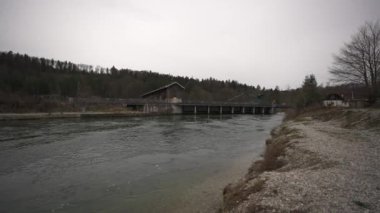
(265, 42)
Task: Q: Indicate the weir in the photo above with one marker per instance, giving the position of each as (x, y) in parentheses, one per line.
(225, 108)
(202, 108)
(168, 100)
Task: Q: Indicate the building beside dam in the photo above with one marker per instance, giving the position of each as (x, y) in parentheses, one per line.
(166, 99)
(171, 93)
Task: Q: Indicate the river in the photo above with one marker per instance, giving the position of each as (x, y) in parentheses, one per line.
(137, 164)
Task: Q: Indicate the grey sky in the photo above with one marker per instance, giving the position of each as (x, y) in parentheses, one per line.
(271, 42)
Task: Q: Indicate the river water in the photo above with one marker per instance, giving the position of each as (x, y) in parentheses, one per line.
(140, 164)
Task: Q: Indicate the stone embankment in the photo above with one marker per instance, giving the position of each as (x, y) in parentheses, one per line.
(321, 161)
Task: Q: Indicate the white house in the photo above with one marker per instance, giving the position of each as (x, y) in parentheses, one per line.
(335, 100)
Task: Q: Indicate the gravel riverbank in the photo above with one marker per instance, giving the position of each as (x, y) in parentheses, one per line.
(325, 161)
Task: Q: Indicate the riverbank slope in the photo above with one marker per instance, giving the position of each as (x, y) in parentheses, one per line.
(321, 161)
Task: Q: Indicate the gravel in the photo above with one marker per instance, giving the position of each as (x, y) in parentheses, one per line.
(329, 169)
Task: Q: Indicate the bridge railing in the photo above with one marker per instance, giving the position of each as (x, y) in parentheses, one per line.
(223, 103)
(142, 101)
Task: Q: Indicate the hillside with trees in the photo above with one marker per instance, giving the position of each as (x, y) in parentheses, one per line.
(24, 80)
(39, 84)
(25, 75)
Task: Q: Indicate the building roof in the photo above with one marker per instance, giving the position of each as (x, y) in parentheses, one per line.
(334, 96)
(163, 88)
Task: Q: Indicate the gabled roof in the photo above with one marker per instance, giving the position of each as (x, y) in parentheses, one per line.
(334, 96)
(163, 88)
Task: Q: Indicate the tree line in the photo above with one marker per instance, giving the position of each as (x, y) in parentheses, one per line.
(22, 75)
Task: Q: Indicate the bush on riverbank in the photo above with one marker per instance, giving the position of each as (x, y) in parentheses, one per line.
(273, 158)
(348, 118)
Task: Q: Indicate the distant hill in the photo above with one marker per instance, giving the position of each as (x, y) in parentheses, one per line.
(26, 80)
(23, 76)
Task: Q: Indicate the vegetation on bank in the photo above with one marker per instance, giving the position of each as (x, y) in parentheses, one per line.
(234, 194)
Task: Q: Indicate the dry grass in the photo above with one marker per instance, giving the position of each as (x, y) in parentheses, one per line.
(271, 159)
(275, 148)
(235, 194)
(290, 114)
(293, 113)
(349, 118)
(254, 170)
(320, 113)
(374, 123)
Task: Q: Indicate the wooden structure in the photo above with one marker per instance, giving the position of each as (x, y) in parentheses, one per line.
(171, 93)
(165, 99)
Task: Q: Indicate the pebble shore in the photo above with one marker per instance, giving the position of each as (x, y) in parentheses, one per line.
(332, 165)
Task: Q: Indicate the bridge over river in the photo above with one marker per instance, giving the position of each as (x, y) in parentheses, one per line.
(191, 107)
(168, 100)
(226, 108)
(173, 106)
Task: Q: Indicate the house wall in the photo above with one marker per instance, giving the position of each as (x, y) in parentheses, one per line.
(170, 97)
(162, 108)
(159, 95)
(174, 93)
(335, 103)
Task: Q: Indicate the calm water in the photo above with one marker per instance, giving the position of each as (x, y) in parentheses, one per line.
(143, 164)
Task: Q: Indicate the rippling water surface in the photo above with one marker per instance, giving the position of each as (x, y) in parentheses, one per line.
(142, 164)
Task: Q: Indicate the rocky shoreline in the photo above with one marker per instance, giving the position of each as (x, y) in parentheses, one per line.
(319, 161)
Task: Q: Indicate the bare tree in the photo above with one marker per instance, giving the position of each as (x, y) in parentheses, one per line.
(359, 60)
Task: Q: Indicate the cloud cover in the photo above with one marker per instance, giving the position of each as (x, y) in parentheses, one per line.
(272, 42)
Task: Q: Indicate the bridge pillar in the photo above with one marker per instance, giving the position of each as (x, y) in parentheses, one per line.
(232, 110)
(221, 110)
(269, 110)
(243, 110)
(146, 108)
(195, 109)
(208, 110)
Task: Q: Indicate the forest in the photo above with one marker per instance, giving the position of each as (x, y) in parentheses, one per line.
(30, 76)
(25, 82)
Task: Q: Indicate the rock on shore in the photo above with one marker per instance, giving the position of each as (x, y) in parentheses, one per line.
(322, 161)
